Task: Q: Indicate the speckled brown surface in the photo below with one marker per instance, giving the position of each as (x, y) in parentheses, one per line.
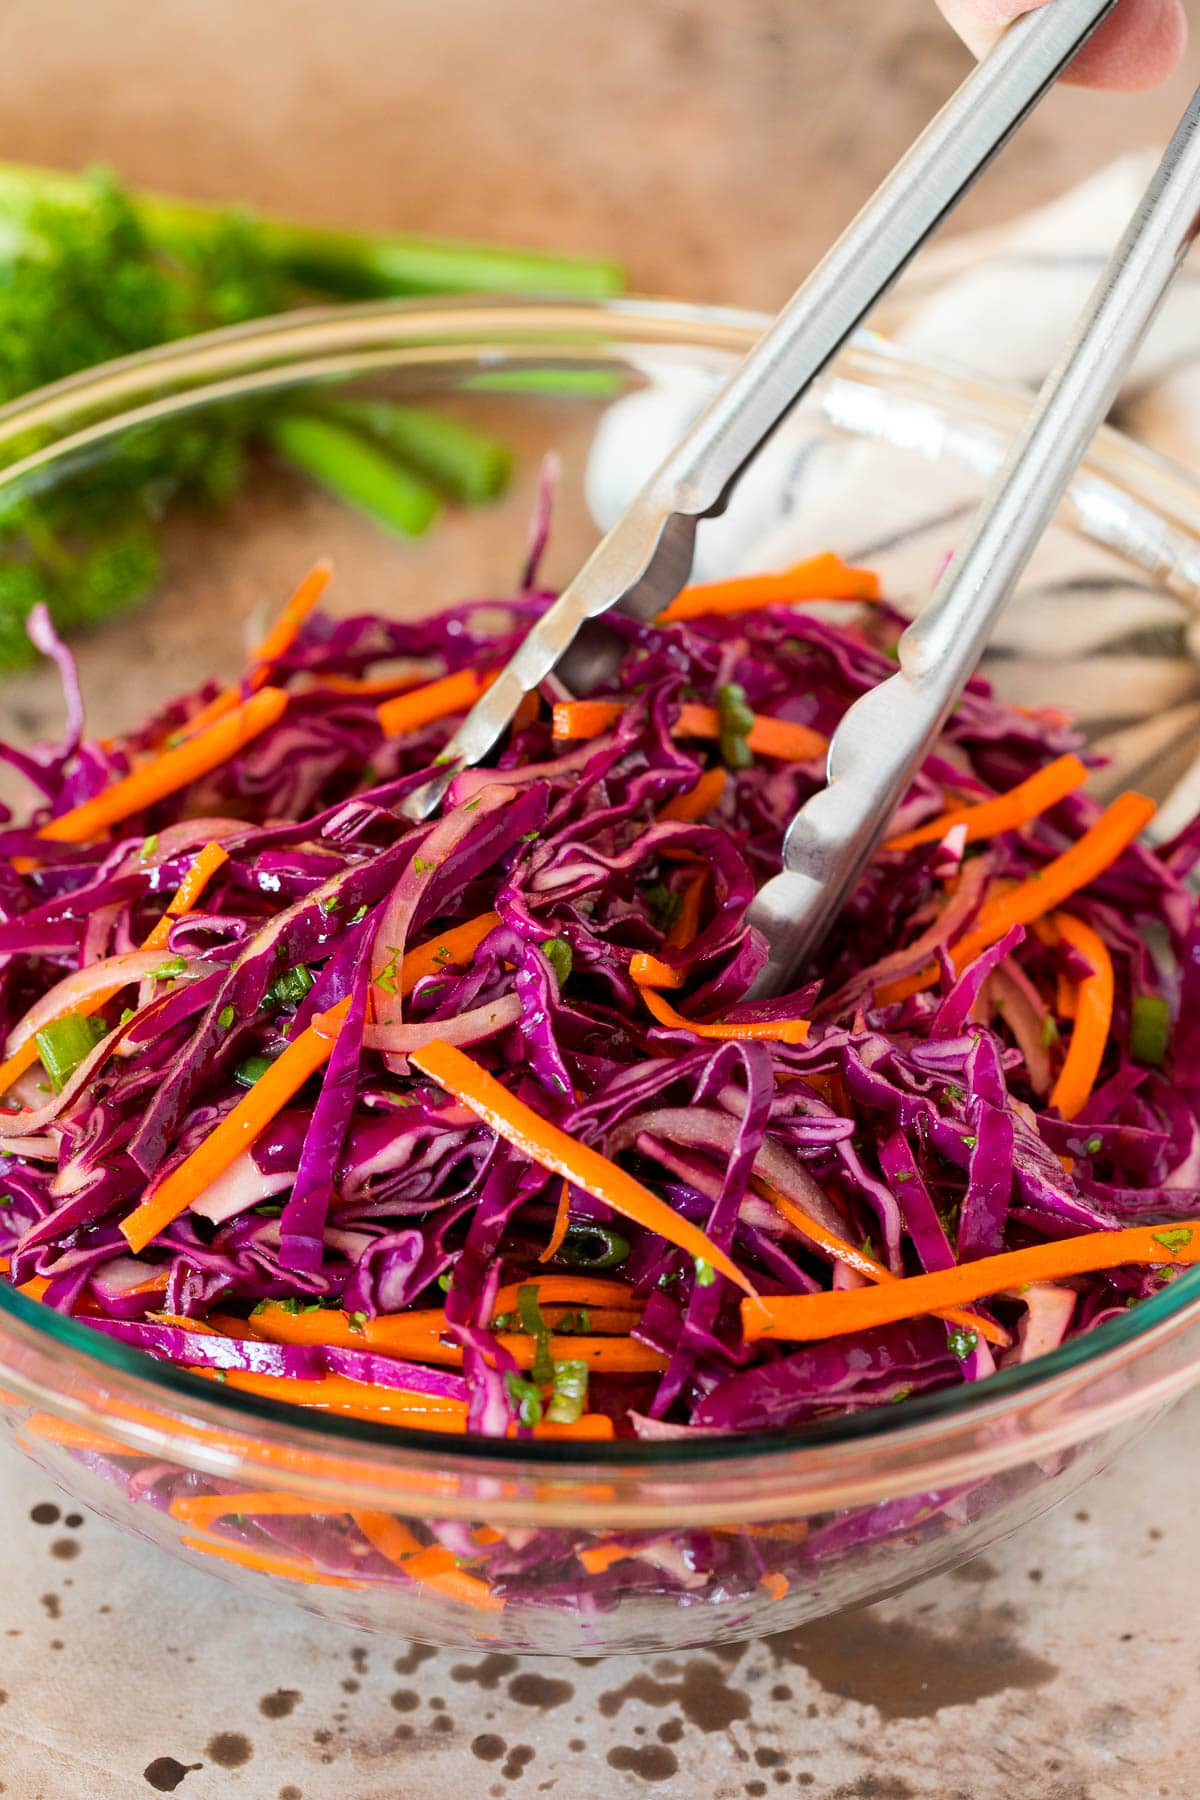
(715, 145)
(1060, 1667)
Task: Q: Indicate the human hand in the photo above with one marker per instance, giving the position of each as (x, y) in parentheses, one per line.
(1137, 46)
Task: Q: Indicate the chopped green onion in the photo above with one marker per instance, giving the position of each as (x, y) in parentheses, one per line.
(357, 1321)
(167, 971)
(1093, 1145)
(252, 1069)
(594, 1247)
(526, 1398)
(290, 988)
(532, 1321)
(736, 722)
(386, 978)
(65, 1043)
(569, 1398)
(225, 1017)
(961, 1343)
(1050, 1032)
(705, 1273)
(557, 952)
(1149, 1029)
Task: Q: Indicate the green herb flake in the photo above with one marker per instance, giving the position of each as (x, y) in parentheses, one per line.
(358, 917)
(168, 970)
(705, 1273)
(961, 1343)
(970, 1140)
(902, 1393)
(1177, 1238)
(1051, 1035)
(1093, 1145)
(149, 846)
(445, 1280)
(557, 952)
(6, 1199)
(225, 1017)
(290, 988)
(357, 1321)
(386, 978)
(329, 904)
(664, 905)
(529, 837)
(472, 804)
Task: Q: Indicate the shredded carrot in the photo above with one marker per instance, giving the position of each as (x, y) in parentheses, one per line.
(599, 1557)
(577, 1290)
(648, 971)
(171, 770)
(397, 1543)
(562, 1224)
(779, 1031)
(686, 922)
(589, 1428)
(266, 1562)
(528, 708)
(824, 577)
(581, 719)
(1006, 812)
(371, 686)
(544, 1143)
(417, 1335)
(1065, 995)
(699, 801)
(355, 1399)
(1029, 900)
(73, 1436)
(1093, 1018)
(184, 899)
(438, 700)
(238, 1129)
(452, 947)
(203, 1510)
(803, 1318)
(188, 892)
(775, 1582)
(862, 1264)
(277, 643)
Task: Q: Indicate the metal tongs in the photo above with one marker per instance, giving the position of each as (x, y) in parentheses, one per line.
(646, 558)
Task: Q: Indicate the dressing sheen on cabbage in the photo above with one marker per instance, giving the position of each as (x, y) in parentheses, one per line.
(469, 1125)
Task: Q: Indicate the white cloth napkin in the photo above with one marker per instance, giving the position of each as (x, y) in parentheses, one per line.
(1085, 630)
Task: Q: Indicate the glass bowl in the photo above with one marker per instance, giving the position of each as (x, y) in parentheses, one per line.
(629, 1546)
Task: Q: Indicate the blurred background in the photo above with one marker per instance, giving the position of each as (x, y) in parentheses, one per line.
(714, 145)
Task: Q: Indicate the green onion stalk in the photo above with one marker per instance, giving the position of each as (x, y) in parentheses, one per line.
(91, 270)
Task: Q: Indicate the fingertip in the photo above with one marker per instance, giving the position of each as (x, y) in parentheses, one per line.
(1138, 47)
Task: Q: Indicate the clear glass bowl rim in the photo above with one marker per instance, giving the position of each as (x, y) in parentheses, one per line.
(332, 343)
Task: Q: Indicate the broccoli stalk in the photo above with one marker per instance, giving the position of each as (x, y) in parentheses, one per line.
(90, 271)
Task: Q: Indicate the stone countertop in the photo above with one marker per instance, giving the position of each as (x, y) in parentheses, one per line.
(1061, 1666)
(715, 145)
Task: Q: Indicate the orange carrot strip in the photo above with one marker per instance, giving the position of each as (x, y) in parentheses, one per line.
(648, 971)
(581, 719)
(779, 1031)
(562, 1224)
(699, 801)
(452, 694)
(804, 1318)
(824, 577)
(371, 686)
(72, 1436)
(1093, 1018)
(862, 1264)
(687, 920)
(1065, 999)
(396, 1542)
(203, 1510)
(544, 1143)
(277, 642)
(528, 708)
(599, 1557)
(291, 1568)
(590, 1428)
(239, 1128)
(167, 773)
(576, 1290)
(1086, 859)
(776, 1584)
(417, 1336)
(184, 899)
(355, 1399)
(1006, 812)
(453, 946)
